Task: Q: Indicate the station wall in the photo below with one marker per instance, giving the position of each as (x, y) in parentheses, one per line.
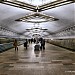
(66, 43)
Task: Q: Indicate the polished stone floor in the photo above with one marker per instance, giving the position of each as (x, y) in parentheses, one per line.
(53, 61)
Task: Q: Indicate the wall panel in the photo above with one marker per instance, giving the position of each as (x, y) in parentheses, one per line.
(66, 43)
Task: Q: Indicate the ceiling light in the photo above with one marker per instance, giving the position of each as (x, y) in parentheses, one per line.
(37, 18)
(18, 4)
(54, 4)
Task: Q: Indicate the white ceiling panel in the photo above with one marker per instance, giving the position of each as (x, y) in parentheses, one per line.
(36, 2)
(21, 27)
(65, 14)
(11, 13)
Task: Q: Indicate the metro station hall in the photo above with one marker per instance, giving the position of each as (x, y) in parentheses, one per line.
(37, 37)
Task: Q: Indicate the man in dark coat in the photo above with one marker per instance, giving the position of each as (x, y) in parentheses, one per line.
(42, 41)
(25, 44)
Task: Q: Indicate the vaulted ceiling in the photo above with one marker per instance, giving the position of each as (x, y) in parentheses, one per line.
(65, 15)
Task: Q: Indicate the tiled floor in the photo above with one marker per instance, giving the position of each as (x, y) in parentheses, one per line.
(53, 61)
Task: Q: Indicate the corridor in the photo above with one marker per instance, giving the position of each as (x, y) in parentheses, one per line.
(53, 61)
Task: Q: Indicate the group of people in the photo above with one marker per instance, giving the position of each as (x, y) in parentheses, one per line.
(39, 41)
(32, 40)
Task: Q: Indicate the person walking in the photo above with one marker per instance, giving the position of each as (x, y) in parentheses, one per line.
(25, 43)
(15, 44)
(42, 41)
(34, 40)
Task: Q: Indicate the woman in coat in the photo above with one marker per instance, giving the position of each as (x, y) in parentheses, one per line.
(15, 44)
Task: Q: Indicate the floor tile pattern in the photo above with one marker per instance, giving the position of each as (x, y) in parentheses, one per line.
(52, 61)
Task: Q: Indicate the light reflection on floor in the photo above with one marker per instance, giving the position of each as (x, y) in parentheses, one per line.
(53, 61)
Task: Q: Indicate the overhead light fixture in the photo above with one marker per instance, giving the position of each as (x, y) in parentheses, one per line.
(18, 4)
(22, 4)
(37, 29)
(37, 18)
(55, 4)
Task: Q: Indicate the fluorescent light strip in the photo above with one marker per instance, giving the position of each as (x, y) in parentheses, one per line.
(37, 21)
(22, 3)
(16, 4)
(44, 15)
(31, 16)
(33, 8)
(54, 6)
(53, 3)
(26, 4)
(47, 20)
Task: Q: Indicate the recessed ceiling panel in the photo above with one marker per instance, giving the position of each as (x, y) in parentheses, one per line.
(37, 18)
(65, 14)
(7, 12)
(36, 2)
(21, 27)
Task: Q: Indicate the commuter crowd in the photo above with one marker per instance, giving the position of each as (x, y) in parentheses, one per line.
(39, 43)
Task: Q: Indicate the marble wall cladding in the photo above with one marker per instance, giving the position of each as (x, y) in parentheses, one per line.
(66, 43)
